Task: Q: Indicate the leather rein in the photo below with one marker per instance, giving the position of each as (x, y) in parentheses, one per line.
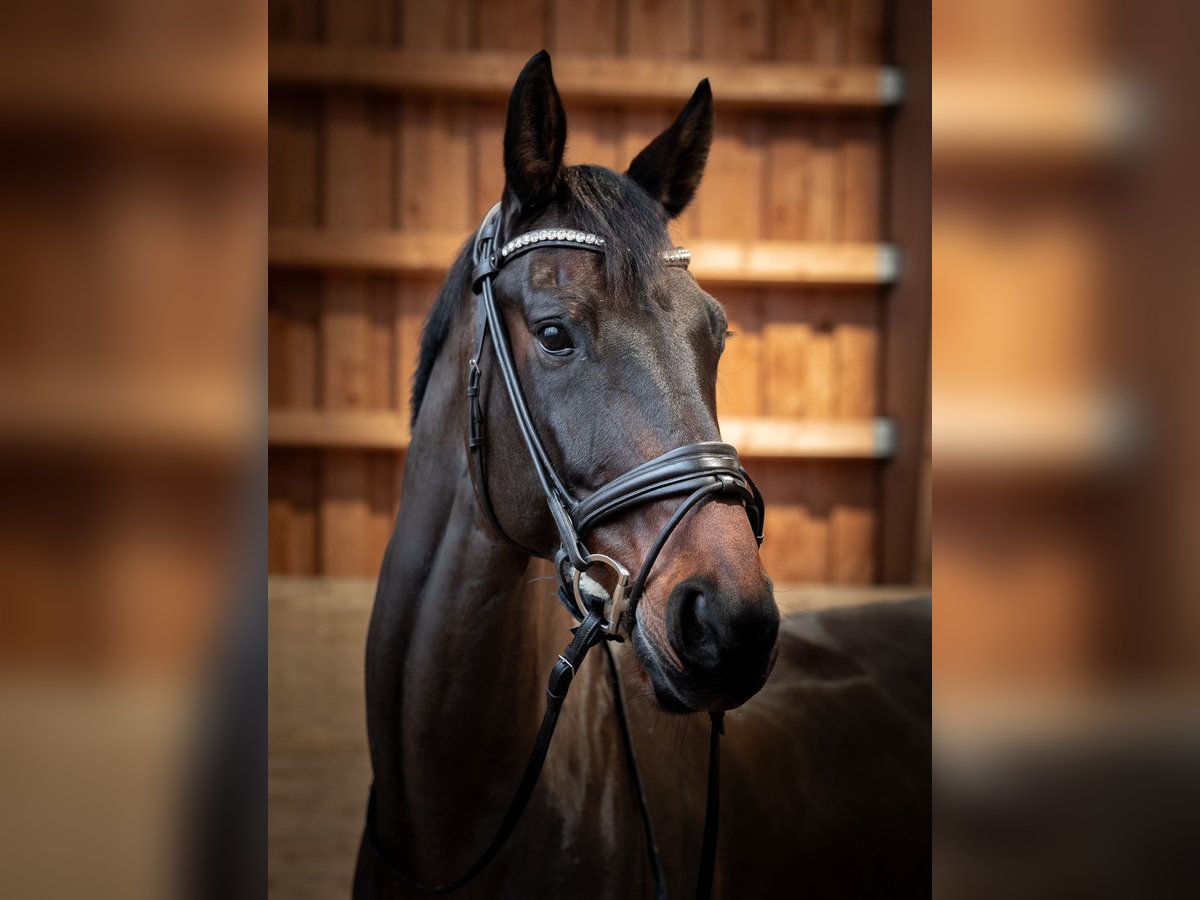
(697, 472)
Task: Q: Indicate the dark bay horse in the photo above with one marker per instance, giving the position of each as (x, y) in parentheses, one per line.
(826, 768)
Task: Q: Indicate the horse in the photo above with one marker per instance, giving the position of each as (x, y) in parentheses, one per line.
(601, 364)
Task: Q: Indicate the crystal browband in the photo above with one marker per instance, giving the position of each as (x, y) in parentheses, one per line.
(564, 235)
(569, 237)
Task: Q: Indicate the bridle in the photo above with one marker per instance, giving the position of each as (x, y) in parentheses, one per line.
(697, 472)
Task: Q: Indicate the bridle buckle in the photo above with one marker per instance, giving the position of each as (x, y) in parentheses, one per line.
(614, 607)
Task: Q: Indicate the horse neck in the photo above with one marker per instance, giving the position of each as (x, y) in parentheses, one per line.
(456, 658)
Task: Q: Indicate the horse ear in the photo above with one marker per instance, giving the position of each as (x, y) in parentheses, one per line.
(535, 135)
(671, 166)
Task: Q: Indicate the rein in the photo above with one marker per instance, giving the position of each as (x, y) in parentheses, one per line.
(697, 472)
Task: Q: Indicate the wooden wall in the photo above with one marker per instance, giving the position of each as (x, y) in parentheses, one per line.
(386, 121)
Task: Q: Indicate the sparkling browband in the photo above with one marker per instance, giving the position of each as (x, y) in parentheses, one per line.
(552, 234)
(679, 256)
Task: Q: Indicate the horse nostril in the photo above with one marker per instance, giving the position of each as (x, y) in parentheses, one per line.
(692, 631)
(709, 630)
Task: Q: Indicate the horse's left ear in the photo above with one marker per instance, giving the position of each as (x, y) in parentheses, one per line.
(535, 136)
(671, 166)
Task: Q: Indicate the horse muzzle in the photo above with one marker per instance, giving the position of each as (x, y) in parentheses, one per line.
(719, 649)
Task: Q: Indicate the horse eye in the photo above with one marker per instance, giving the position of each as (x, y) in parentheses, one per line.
(554, 339)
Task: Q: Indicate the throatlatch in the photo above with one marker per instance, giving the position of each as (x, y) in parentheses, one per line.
(696, 472)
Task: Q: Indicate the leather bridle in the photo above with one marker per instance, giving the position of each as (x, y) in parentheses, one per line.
(697, 472)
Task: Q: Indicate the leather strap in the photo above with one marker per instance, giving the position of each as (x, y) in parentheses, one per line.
(679, 471)
(712, 809)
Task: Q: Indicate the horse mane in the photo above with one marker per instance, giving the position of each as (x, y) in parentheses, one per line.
(589, 198)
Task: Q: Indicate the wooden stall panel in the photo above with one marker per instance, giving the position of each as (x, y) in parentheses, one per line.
(293, 487)
(820, 521)
(588, 28)
(371, 164)
(664, 29)
(293, 312)
(357, 329)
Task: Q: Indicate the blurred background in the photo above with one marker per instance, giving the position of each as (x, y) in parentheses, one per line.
(134, 393)
(1065, 440)
(132, 207)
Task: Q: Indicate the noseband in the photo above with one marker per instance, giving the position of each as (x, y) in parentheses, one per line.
(696, 472)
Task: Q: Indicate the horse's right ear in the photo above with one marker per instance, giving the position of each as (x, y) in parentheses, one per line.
(535, 136)
(671, 166)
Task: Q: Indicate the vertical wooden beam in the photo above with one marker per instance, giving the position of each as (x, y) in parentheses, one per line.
(293, 301)
(907, 309)
(663, 29)
(359, 192)
(666, 30)
(588, 28)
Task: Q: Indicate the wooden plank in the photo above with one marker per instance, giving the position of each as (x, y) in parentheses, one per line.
(294, 20)
(583, 27)
(488, 154)
(754, 436)
(586, 80)
(731, 195)
(518, 25)
(435, 184)
(662, 29)
(436, 178)
(823, 201)
(812, 31)
(865, 21)
(798, 355)
(786, 338)
(860, 173)
(293, 302)
(337, 429)
(445, 25)
(359, 192)
(796, 543)
(740, 375)
(788, 178)
(734, 29)
(380, 349)
(908, 304)
(718, 261)
(359, 155)
(293, 476)
(588, 28)
(856, 358)
(803, 164)
(294, 153)
(361, 23)
(810, 438)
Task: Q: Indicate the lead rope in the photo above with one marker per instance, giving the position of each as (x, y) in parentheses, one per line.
(656, 868)
(712, 810)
